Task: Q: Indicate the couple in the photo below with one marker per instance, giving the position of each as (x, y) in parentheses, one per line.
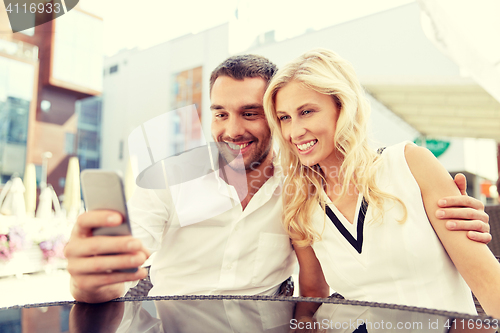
(246, 250)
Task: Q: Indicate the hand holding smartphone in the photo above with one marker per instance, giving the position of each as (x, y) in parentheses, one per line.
(103, 190)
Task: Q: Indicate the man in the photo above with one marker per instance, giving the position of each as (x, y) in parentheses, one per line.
(244, 250)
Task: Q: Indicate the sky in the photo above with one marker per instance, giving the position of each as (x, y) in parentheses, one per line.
(142, 24)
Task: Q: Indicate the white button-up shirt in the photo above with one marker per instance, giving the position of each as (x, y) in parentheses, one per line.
(223, 316)
(228, 251)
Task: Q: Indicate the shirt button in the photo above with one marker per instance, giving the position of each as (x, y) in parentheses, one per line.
(229, 266)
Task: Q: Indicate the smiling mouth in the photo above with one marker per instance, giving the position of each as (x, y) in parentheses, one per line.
(238, 147)
(307, 146)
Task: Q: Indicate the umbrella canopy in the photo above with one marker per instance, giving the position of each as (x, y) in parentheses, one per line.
(72, 198)
(13, 204)
(47, 200)
(30, 189)
(44, 209)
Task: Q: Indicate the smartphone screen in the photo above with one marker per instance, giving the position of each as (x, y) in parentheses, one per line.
(103, 190)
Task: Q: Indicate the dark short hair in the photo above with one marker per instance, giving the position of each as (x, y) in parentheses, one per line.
(242, 66)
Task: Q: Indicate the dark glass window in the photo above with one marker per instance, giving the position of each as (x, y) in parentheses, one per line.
(90, 112)
(70, 143)
(89, 163)
(113, 69)
(10, 321)
(88, 136)
(88, 140)
(17, 122)
(64, 317)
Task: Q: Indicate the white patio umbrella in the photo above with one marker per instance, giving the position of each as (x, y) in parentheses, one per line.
(72, 198)
(44, 209)
(13, 204)
(3, 194)
(30, 189)
(47, 200)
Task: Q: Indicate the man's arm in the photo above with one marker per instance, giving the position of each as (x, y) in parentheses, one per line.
(464, 213)
(93, 260)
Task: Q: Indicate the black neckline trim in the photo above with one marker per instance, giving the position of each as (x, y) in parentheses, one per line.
(356, 243)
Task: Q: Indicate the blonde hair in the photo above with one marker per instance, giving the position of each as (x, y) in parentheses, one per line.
(327, 73)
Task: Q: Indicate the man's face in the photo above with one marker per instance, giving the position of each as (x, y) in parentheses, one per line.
(238, 120)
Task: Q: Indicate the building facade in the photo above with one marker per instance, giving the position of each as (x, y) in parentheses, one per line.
(44, 72)
(389, 51)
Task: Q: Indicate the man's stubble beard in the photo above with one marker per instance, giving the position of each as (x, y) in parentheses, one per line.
(253, 162)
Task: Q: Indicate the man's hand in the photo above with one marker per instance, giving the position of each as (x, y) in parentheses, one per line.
(92, 267)
(465, 213)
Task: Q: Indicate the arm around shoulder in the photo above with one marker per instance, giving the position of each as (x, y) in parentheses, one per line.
(474, 260)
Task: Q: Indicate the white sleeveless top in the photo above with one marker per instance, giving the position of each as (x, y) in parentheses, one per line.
(399, 263)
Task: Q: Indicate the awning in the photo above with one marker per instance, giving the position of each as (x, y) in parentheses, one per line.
(443, 110)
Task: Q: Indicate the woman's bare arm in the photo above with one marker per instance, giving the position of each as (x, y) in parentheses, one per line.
(474, 260)
(312, 282)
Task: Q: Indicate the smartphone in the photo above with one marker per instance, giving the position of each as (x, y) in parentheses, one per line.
(104, 190)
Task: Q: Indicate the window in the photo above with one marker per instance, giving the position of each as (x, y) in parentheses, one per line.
(69, 147)
(16, 92)
(90, 112)
(113, 69)
(11, 320)
(88, 136)
(88, 140)
(88, 163)
(77, 50)
(17, 128)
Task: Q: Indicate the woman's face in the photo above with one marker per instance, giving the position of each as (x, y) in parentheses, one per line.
(308, 122)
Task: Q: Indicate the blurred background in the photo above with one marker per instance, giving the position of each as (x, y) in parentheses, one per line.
(74, 88)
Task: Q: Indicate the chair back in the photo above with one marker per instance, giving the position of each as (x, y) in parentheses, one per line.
(142, 288)
(494, 212)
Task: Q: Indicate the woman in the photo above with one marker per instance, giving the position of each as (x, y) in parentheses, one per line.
(358, 219)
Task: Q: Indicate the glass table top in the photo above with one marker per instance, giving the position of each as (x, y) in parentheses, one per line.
(235, 314)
